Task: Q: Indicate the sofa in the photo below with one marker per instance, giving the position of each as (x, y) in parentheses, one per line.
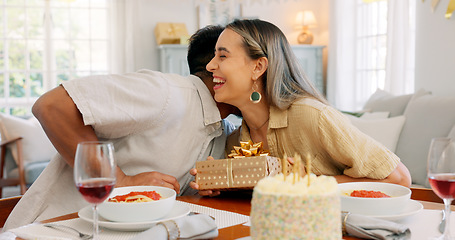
(406, 124)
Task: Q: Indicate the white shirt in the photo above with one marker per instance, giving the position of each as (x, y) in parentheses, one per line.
(157, 122)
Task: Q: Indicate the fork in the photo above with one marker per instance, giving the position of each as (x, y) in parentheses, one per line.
(83, 236)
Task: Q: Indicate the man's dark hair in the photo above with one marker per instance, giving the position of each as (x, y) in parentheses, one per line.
(201, 49)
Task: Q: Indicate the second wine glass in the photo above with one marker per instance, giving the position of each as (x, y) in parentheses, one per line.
(94, 174)
(441, 174)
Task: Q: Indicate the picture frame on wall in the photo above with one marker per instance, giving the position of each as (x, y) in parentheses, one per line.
(218, 12)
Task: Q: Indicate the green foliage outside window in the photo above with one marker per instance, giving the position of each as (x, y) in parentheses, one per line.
(29, 67)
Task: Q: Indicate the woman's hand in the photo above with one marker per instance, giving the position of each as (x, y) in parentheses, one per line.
(194, 185)
(148, 179)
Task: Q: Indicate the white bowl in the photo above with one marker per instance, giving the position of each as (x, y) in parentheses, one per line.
(138, 212)
(399, 198)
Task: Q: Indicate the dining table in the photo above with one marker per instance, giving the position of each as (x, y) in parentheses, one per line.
(237, 202)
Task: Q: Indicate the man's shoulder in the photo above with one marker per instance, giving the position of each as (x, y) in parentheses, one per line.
(168, 76)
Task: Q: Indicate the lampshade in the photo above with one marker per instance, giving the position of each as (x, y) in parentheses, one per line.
(305, 19)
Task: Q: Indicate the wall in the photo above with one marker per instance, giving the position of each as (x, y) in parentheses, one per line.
(283, 13)
(435, 49)
(280, 12)
(151, 12)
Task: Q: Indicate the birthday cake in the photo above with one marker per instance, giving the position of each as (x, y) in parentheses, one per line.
(288, 207)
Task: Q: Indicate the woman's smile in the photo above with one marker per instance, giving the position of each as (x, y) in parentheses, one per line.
(219, 82)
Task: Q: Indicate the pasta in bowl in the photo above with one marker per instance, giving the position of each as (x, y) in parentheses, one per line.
(373, 198)
(137, 204)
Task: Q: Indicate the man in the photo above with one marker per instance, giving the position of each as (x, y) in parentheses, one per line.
(160, 124)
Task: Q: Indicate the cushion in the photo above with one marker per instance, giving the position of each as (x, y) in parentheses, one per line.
(452, 133)
(35, 144)
(386, 131)
(427, 117)
(32, 171)
(382, 101)
(375, 115)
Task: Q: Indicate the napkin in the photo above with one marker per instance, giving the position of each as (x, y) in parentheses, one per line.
(372, 228)
(193, 226)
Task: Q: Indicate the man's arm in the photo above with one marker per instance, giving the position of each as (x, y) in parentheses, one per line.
(65, 128)
(62, 122)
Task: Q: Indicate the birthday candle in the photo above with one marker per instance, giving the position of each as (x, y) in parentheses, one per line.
(285, 166)
(308, 164)
(298, 165)
(295, 169)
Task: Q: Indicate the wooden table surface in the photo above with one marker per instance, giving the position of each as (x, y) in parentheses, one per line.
(239, 202)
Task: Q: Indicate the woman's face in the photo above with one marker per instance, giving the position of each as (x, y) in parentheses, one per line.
(232, 70)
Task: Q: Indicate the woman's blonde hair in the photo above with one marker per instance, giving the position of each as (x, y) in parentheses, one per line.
(284, 80)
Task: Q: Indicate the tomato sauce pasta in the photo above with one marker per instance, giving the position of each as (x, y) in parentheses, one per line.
(368, 194)
(135, 197)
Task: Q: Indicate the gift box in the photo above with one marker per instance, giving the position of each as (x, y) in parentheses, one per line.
(235, 172)
(170, 33)
(239, 171)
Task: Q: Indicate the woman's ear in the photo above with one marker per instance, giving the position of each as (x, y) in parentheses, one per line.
(261, 66)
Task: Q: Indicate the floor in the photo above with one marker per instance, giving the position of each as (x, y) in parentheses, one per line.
(11, 192)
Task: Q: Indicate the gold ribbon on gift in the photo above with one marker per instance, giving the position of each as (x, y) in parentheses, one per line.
(248, 149)
(230, 178)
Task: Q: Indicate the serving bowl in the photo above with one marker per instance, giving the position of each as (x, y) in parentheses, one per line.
(398, 200)
(138, 211)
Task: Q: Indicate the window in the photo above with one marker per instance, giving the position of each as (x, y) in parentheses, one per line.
(374, 60)
(371, 47)
(46, 42)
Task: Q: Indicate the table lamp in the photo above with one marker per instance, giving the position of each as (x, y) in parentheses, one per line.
(304, 21)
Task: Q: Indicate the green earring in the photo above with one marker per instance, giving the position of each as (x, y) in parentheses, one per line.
(255, 96)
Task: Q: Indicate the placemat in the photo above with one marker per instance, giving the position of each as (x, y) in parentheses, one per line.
(223, 219)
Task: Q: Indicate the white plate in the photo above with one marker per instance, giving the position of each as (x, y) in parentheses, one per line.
(180, 209)
(412, 208)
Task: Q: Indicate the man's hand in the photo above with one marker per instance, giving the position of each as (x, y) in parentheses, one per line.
(147, 178)
(194, 185)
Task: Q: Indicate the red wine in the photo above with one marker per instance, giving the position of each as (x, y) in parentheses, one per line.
(443, 185)
(96, 190)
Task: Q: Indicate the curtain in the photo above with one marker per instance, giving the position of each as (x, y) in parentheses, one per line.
(341, 59)
(123, 25)
(342, 79)
(400, 47)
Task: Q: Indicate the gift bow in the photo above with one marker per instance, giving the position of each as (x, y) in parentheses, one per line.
(248, 149)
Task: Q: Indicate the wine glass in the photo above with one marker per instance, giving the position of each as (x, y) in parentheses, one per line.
(94, 174)
(441, 174)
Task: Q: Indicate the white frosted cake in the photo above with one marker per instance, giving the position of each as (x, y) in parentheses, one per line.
(292, 210)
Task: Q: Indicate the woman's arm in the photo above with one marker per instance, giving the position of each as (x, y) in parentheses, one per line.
(365, 158)
(399, 176)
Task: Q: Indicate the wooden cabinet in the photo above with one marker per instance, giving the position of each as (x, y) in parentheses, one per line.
(173, 60)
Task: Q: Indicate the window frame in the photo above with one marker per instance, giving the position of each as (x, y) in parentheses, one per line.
(49, 71)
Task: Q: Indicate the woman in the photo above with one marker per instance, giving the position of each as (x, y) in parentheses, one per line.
(255, 70)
